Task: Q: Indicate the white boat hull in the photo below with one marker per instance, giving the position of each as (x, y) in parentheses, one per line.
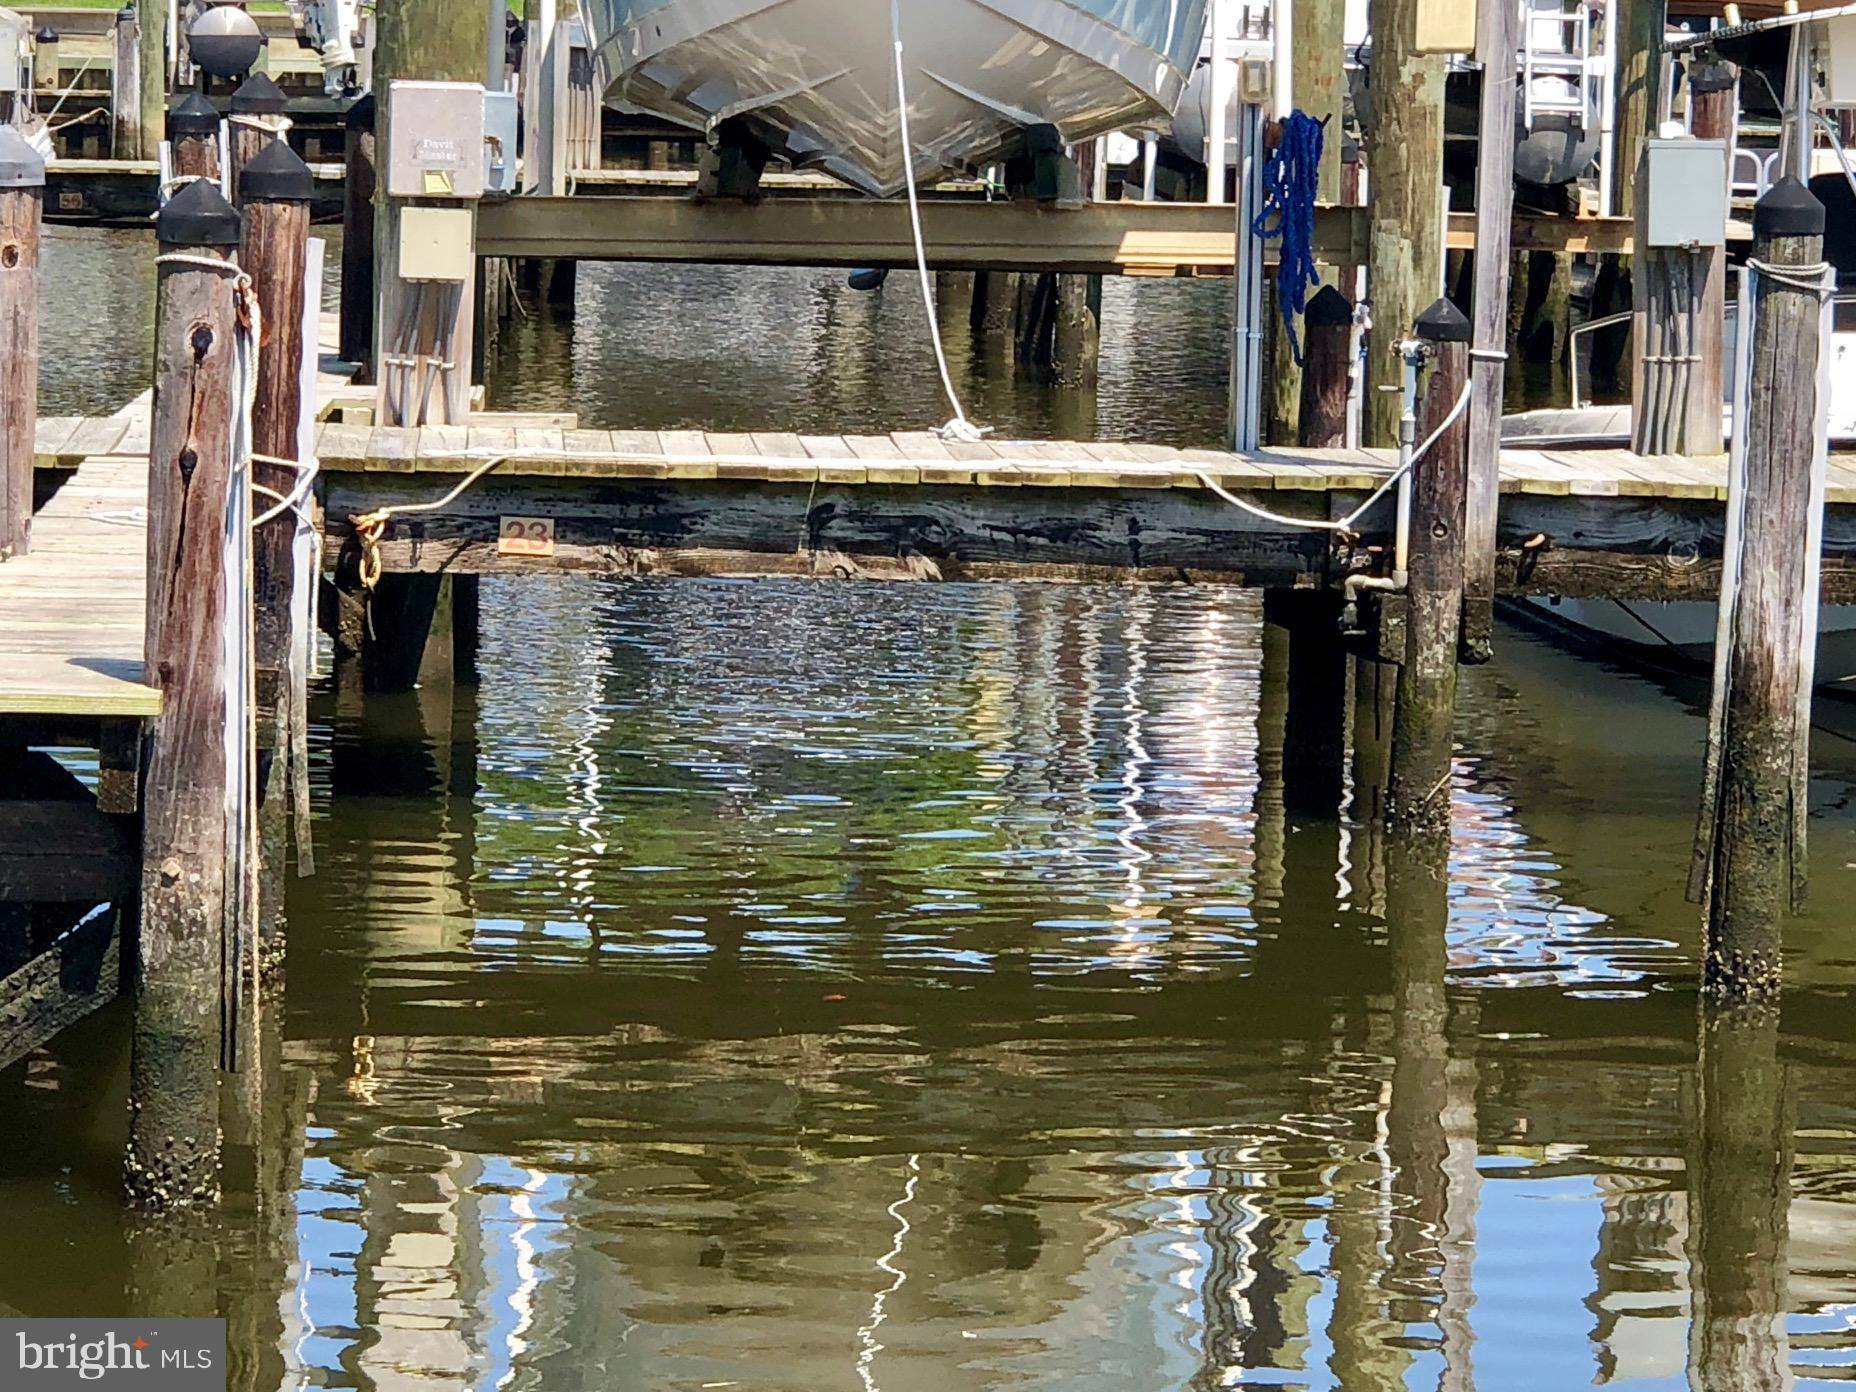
(1682, 633)
(816, 78)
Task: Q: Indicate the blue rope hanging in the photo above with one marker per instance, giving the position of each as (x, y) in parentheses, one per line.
(1289, 180)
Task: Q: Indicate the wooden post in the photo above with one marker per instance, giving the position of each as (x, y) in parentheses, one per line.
(22, 200)
(275, 191)
(1327, 358)
(1420, 788)
(45, 62)
(1405, 164)
(193, 137)
(1714, 101)
(995, 313)
(126, 86)
(435, 41)
(173, 1158)
(1750, 853)
(1077, 335)
(358, 192)
(151, 73)
(1636, 72)
(254, 115)
(1498, 44)
(1319, 82)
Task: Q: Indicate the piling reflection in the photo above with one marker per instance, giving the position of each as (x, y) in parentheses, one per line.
(821, 987)
(1739, 1188)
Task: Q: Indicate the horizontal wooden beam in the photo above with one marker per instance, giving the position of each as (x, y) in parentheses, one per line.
(78, 974)
(1569, 544)
(1109, 238)
(64, 852)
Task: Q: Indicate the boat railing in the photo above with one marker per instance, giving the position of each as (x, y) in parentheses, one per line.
(1843, 300)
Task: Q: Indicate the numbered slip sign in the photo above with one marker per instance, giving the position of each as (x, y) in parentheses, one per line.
(526, 536)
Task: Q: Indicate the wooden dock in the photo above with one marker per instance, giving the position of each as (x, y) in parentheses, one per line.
(909, 505)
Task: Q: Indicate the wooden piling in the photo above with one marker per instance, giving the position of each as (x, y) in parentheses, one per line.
(22, 200)
(433, 41)
(1750, 850)
(275, 191)
(1498, 42)
(151, 73)
(1319, 82)
(255, 117)
(1714, 96)
(46, 62)
(1327, 359)
(193, 137)
(1636, 71)
(1421, 743)
(1405, 163)
(126, 86)
(358, 191)
(995, 313)
(173, 1156)
(1076, 338)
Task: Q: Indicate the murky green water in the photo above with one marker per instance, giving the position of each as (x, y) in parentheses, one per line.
(809, 986)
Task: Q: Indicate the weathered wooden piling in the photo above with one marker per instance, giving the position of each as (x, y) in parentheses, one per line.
(173, 1157)
(22, 200)
(1421, 743)
(358, 191)
(275, 191)
(1405, 163)
(193, 137)
(995, 313)
(1498, 40)
(126, 86)
(151, 73)
(1714, 98)
(255, 117)
(46, 61)
(1319, 82)
(1076, 339)
(1750, 852)
(432, 41)
(1327, 361)
(1635, 71)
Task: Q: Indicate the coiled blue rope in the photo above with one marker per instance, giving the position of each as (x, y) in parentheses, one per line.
(1290, 176)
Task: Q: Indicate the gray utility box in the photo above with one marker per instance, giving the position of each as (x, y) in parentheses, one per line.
(1682, 193)
(435, 146)
(500, 169)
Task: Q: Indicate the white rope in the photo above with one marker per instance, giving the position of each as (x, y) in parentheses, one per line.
(297, 499)
(1819, 278)
(959, 428)
(1345, 524)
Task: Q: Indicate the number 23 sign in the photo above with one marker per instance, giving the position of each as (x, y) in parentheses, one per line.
(526, 536)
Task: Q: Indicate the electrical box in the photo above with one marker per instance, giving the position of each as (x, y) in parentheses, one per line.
(1446, 26)
(1838, 49)
(1682, 191)
(437, 244)
(501, 171)
(435, 143)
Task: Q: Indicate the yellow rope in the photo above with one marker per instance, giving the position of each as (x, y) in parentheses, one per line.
(370, 527)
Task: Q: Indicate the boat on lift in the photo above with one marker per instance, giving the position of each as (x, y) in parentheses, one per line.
(815, 80)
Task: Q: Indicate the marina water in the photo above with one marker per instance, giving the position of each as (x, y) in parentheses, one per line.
(818, 986)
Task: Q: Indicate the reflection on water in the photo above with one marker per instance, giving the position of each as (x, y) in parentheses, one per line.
(802, 986)
(841, 987)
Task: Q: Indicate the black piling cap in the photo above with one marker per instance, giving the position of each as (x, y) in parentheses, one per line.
(1327, 309)
(46, 35)
(198, 216)
(20, 165)
(276, 175)
(1443, 322)
(1789, 209)
(1712, 77)
(192, 114)
(363, 115)
(257, 95)
(126, 13)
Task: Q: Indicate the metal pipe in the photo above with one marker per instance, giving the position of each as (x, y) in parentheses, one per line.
(1282, 69)
(1608, 113)
(1412, 352)
(1214, 116)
